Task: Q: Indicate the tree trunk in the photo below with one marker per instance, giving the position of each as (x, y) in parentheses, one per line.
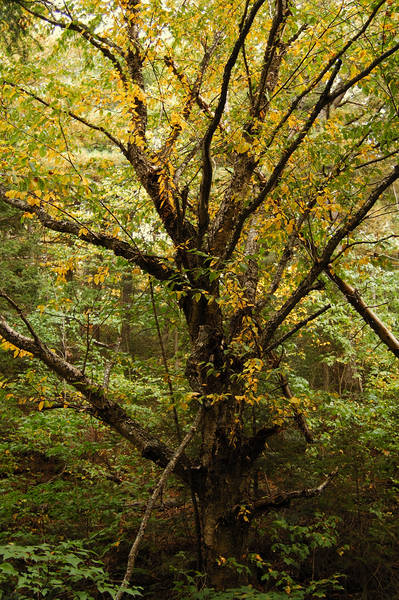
(225, 532)
(225, 538)
(225, 477)
(224, 526)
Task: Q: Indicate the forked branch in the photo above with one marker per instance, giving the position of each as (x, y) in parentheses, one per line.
(207, 170)
(323, 261)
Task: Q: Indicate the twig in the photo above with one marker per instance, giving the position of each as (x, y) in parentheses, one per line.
(165, 363)
(297, 327)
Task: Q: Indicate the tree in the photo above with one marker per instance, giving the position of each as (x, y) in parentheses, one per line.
(257, 138)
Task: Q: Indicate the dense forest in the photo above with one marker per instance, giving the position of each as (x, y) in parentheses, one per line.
(199, 252)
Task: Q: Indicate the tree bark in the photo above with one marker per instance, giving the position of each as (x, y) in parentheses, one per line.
(225, 528)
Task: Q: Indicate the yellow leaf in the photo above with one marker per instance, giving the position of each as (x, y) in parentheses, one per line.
(41, 404)
(290, 227)
(295, 400)
(32, 201)
(177, 121)
(242, 147)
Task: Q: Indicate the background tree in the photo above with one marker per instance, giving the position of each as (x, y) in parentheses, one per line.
(255, 141)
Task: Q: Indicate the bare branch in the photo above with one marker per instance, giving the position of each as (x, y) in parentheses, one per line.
(297, 327)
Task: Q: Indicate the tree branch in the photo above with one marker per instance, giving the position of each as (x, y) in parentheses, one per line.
(342, 89)
(150, 264)
(285, 498)
(255, 445)
(73, 115)
(102, 406)
(297, 327)
(279, 168)
(307, 282)
(325, 99)
(140, 534)
(207, 170)
(272, 59)
(99, 42)
(193, 92)
(368, 315)
(299, 417)
(325, 70)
